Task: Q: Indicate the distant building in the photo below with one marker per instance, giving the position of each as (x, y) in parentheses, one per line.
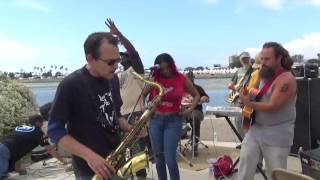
(216, 66)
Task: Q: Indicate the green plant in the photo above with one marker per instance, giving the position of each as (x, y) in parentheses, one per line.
(17, 103)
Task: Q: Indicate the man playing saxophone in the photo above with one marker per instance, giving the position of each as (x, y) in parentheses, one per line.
(87, 103)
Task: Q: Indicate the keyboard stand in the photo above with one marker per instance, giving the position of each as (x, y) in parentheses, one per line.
(226, 112)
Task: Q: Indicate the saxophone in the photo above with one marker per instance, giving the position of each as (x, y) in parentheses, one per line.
(117, 157)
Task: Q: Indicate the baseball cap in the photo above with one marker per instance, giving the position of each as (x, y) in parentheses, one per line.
(244, 55)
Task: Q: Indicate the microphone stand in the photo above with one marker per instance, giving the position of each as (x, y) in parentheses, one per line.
(134, 107)
(145, 85)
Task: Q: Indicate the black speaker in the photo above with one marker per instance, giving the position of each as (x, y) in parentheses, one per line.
(315, 111)
(311, 70)
(298, 70)
(302, 134)
(308, 115)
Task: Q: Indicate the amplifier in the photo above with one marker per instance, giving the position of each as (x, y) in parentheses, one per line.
(310, 162)
(311, 70)
(298, 70)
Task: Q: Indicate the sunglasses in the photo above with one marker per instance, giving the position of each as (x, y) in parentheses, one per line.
(110, 62)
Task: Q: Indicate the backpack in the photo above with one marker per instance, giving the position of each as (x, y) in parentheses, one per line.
(223, 166)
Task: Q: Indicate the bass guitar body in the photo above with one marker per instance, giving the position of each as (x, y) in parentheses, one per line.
(247, 111)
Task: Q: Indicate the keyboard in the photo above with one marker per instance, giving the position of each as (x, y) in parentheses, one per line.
(223, 111)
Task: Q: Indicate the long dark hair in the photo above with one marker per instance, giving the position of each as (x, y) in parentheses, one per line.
(164, 57)
(279, 50)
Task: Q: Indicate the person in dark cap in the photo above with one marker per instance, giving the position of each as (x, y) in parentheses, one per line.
(20, 142)
(197, 114)
(130, 87)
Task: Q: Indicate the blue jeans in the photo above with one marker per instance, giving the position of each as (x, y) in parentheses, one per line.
(165, 132)
(4, 160)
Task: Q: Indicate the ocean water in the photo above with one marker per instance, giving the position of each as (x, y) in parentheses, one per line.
(44, 92)
(215, 88)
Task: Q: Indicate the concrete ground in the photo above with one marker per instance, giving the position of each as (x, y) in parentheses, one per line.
(226, 138)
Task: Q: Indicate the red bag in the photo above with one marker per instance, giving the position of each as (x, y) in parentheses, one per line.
(223, 166)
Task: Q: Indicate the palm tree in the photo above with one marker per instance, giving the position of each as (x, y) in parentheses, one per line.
(34, 69)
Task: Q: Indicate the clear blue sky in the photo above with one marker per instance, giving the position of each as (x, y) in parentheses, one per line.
(194, 32)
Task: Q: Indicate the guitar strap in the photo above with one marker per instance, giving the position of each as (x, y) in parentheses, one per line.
(263, 91)
(247, 77)
(245, 81)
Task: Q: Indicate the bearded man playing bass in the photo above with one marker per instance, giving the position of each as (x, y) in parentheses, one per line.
(271, 135)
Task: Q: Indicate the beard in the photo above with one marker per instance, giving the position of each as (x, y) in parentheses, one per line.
(266, 72)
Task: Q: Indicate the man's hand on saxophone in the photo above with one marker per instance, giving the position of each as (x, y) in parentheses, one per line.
(100, 166)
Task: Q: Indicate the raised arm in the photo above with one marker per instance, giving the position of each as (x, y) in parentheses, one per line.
(133, 54)
(114, 30)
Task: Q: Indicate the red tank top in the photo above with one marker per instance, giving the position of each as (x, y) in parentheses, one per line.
(174, 89)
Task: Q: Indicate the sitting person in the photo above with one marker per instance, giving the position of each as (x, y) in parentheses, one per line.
(197, 113)
(22, 141)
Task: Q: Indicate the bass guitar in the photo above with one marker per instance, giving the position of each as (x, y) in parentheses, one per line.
(234, 95)
(248, 111)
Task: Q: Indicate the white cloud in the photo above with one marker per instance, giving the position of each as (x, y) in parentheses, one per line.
(308, 45)
(253, 51)
(36, 5)
(273, 4)
(312, 2)
(16, 55)
(211, 1)
(12, 49)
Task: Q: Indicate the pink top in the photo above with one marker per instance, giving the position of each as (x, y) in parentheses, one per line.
(173, 92)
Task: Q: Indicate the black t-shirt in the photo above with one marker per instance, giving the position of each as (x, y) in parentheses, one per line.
(202, 93)
(22, 140)
(90, 109)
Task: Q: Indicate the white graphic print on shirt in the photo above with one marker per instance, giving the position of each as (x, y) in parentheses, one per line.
(106, 109)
